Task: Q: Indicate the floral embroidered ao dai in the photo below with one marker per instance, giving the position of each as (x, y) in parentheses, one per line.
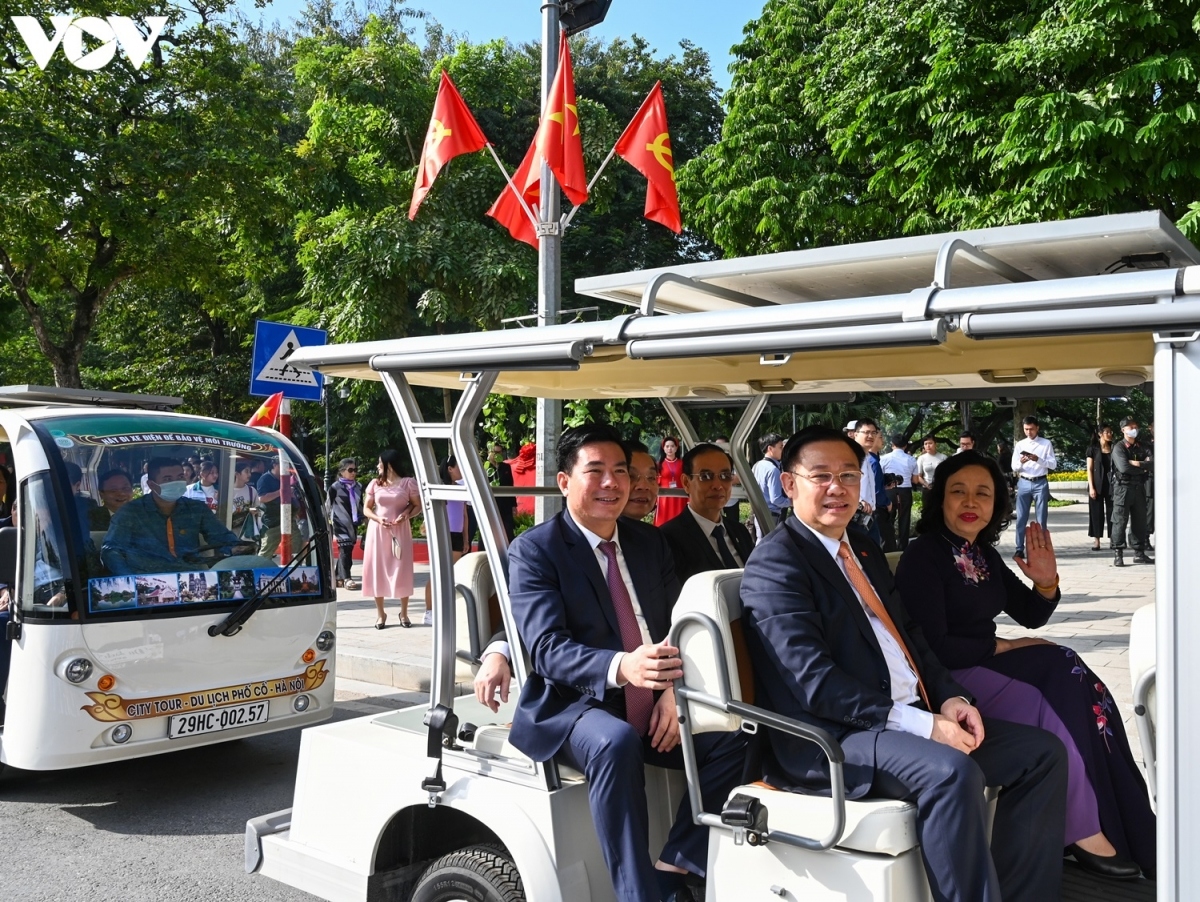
(955, 590)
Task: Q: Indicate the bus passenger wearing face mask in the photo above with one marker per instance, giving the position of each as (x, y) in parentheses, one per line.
(162, 531)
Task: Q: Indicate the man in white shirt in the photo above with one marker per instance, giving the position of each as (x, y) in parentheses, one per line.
(966, 441)
(833, 647)
(865, 432)
(1032, 459)
(900, 463)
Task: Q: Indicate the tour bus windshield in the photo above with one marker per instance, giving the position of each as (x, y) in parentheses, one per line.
(168, 515)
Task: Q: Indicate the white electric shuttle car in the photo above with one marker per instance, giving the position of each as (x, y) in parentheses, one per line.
(114, 651)
(1032, 311)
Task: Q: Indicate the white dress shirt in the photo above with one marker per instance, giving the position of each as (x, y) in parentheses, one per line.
(708, 526)
(900, 463)
(903, 715)
(1041, 449)
(595, 540)
(866, 491)
(503, 648)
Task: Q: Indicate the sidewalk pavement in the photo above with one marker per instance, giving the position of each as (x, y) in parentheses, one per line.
(1093, 618)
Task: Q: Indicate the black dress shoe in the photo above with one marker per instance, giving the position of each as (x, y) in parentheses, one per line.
(1112, 866)
(1118, 558)
(1142, 558)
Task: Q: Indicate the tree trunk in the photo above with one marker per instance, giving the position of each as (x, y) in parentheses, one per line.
(1021, 411)
(66, 371)
(86, 303)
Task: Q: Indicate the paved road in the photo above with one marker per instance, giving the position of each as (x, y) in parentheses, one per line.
(163, 829)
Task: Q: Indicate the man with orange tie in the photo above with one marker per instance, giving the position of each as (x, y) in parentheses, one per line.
(592, 592)
(833, 647)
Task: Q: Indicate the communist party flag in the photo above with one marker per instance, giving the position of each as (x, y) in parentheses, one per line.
(510, 208)
(558, 139)
(646, 146)
(452, 131)
(268, 413)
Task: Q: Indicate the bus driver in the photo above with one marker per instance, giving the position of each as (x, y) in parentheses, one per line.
(158, 532)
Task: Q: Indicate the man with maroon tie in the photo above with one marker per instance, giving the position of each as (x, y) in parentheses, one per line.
(592, 595)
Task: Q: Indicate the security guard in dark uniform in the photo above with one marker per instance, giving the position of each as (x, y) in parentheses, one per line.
(1131, 468)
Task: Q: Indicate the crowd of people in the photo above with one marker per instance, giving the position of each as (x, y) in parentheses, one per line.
(907, 672)
(172, 519)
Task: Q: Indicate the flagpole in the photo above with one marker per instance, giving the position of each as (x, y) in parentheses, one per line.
(595, 178)
(549, 232)
(524, 206)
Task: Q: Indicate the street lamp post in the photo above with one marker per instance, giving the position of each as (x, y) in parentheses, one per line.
(574, 16)
(549, 410)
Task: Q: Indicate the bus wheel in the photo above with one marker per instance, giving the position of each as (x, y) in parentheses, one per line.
(474, 874)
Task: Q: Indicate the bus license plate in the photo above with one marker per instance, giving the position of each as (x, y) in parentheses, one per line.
(217, 719)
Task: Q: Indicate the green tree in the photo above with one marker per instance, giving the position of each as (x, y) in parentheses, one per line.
(159, 176)
(853, 120)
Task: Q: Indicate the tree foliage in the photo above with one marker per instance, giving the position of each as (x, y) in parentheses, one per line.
(152, 176)
(852, 120)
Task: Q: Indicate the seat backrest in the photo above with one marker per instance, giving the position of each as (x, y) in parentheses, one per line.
(715, 594)
(472, 572)
(1143, 637)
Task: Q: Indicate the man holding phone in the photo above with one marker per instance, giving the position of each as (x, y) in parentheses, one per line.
(1032, 459)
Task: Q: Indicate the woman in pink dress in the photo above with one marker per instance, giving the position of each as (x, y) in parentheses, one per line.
(670, 476)
(391, 501)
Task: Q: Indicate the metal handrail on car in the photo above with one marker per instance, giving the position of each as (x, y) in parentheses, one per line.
(727, 705)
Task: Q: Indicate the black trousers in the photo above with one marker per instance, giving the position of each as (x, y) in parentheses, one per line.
(1129, 507)
(612, 756)
(887, 528)
(345, 557)
(901, 517)
(1100, 514)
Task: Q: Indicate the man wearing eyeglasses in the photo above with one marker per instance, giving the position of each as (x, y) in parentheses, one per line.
(700, 538)
(865, 432)
(833, 647)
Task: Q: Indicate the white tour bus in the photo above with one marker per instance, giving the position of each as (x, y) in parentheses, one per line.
(117, 650)
(1042, 310)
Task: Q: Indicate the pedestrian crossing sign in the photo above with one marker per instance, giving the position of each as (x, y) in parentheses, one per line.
(272, 370)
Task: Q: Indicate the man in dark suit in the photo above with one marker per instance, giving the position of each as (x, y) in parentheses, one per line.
(495, 670)
(833, 647)
(699, 538)
(592, 595)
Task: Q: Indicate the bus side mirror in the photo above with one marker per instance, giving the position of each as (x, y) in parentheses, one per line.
(8, 557)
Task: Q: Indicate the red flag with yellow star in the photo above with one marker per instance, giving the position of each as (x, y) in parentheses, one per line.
(452, 131)
(268, 411)
(558, 139)
(646, 146)
(513, 210)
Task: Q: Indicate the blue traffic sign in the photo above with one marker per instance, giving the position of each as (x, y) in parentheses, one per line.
(271, 371)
